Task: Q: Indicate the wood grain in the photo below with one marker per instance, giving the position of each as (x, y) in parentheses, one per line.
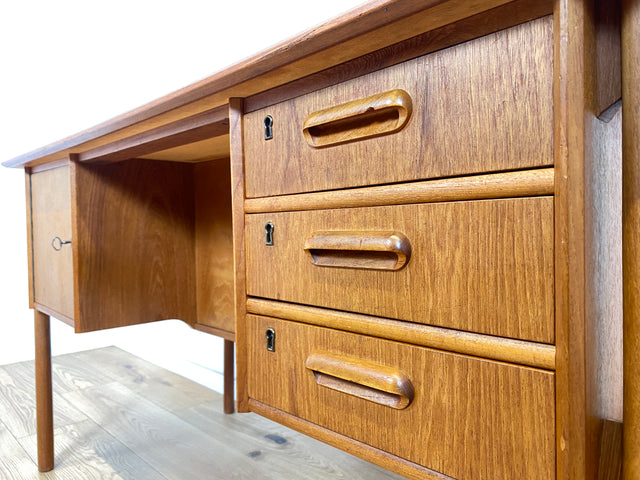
(179, 450)
(44, 391)
(466, 413)
(604, 272)
(497, 348)
(491, 83)
(88, 452)
(51, 216)
(370, 381)
(236, 133)
(365, 29)
(215, 148)
(166, 389)
(608, 63)
(401, 466)
(474, 26)
(484, 267)
(353, 249)
(574, 104)
(281, 452)
(526, 183)
(214, 245)
(380, 114)
(610, 466)
(631, 234)
(211, 123)
(30, 266)
(229, 377)
(18, 401)
(134, 237)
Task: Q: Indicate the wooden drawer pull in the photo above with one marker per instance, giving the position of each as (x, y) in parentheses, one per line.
(370, 381)
(370, 250)
(378, 114)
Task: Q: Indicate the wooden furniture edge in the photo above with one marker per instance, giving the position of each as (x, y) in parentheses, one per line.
(465, 29)
(531, 354)
(525, 183)
(211, 123)
(218, 332)
(237, 216)
(631, 236)
(368, 28)
(30, 265)
(383, 459)
(52, 313)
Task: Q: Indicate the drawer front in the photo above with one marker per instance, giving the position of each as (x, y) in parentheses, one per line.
(482, 266)
(485, 105)
(468, 418)
(51, 225)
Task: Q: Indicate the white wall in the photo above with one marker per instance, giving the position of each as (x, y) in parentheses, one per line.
(68, 65)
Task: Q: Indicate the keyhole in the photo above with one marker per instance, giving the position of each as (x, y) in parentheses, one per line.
(270, 333)
(268, 127)
(268, 234)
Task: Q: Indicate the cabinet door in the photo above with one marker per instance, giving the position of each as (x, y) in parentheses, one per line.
(51, 228)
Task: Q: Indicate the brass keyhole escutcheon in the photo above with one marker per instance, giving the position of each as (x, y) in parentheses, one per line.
(270, 334)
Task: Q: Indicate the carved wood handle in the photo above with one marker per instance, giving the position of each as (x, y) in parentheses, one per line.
(378, 114)
(377, 383)
(369, 250)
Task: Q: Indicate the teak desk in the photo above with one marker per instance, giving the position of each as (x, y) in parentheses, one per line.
(412, 221)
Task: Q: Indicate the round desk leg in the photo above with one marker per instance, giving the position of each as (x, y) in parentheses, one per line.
(228, 399)
(44, 393)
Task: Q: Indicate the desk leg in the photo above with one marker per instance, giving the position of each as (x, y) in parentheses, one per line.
(44, 393)
(229, 404)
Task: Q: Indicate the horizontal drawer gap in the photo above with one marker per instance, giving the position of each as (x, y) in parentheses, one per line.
(525, 183)
(509, 350)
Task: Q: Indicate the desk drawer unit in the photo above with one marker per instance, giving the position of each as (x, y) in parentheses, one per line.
(52, 257)
(462, 110)
(483, 266)
(465, 417)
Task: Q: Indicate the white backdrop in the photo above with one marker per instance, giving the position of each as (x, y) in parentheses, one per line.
(68, 65)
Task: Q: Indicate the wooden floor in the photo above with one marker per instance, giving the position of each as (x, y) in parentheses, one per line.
(120, 417)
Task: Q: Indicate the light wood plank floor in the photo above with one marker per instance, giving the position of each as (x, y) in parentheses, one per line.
(120, 417)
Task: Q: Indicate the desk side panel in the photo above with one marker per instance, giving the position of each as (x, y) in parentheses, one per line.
(214, 247)
(134, 231)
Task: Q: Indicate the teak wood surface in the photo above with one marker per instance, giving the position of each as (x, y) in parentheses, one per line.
(482, 266)
(473, 112)
(51, 217)
(507, 174)
(459, 423)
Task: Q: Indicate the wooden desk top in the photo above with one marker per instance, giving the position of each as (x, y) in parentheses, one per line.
(373, 26)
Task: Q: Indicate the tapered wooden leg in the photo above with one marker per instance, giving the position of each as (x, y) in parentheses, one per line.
(44, 393)
(229, 404)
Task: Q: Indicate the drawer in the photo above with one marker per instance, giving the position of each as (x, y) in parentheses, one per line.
(483, 266)
(51, 229)
(469, 418)
(481, 106)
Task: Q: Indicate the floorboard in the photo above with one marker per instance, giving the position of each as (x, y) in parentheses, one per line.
(119, 417)
(86, 451)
